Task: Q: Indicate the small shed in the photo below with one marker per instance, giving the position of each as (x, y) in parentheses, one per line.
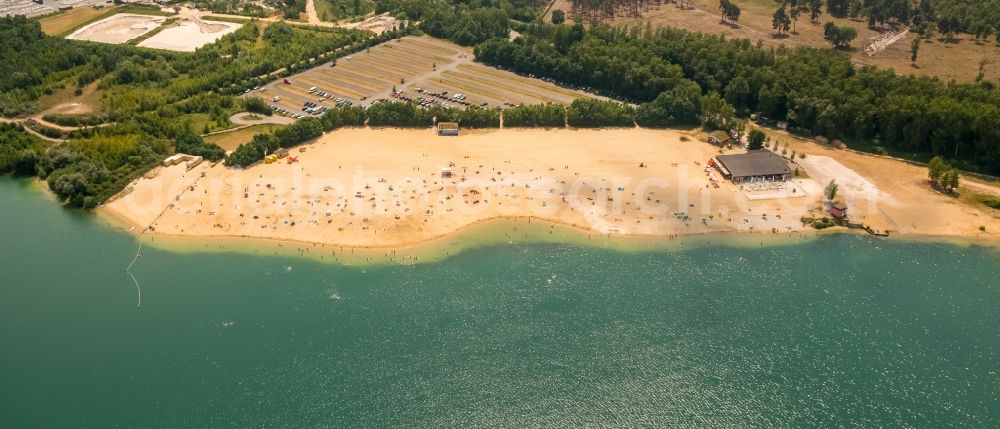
(446, 173)
(447, 128)
(191, 160)
(719, 138)
(838, 210)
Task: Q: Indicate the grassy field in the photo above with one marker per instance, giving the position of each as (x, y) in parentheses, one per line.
(974, 196)
(415, 62)
(230, 140)
(203, 123)
(949, 61)
(65, 101)
(325, 10)
(62, 23)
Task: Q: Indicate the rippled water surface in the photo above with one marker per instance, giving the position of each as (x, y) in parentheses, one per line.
(841, 331)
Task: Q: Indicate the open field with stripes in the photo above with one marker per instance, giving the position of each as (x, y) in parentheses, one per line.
(423, 70)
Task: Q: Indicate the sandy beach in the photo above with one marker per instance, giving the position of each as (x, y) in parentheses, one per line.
(388, 188)
(188, 36)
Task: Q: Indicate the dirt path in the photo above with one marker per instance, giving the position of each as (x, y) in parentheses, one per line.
(33, 132)
(313, 18)
(64, 128)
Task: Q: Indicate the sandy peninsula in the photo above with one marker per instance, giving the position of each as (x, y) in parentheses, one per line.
(391, 188)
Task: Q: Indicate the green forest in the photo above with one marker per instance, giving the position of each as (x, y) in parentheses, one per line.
(465, 23)
(670, 72)
(334, 10)
(235, 7)
(154, 102)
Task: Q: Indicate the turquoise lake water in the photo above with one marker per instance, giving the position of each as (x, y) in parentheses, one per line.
(839, 331)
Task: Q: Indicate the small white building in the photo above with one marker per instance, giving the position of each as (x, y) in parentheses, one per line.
(447, 128)
(191, 160)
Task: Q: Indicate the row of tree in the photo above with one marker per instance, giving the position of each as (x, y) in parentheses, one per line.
(599, 10)
(397, 114)
(581, 113)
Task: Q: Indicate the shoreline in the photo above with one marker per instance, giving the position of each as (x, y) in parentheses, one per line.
(444, 246)
(497, 232)
(484, 233)
(386, 191)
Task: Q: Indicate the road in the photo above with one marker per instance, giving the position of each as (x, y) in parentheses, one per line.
(33, 132)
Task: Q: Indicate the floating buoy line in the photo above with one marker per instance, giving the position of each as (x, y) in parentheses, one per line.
(128, 270)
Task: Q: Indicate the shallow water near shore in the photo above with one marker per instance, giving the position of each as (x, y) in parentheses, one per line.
(841, 330)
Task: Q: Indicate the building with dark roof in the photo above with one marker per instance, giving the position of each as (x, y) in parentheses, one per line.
(753, 166)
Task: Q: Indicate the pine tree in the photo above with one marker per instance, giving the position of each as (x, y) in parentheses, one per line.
(780, 20)
(794, 12)
(815, 10)
(831, 190)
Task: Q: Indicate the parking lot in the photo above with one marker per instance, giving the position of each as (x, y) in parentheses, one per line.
(423, 70)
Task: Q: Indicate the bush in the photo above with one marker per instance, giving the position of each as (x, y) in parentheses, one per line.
(20, 152)
(988, 201)
(257, 105)
(677, 106)
(192, 144)
(75, 120)
(593, 113)
(479, 118)
(343, 117)
(537, 115)
(398, 114)
(558, 16)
